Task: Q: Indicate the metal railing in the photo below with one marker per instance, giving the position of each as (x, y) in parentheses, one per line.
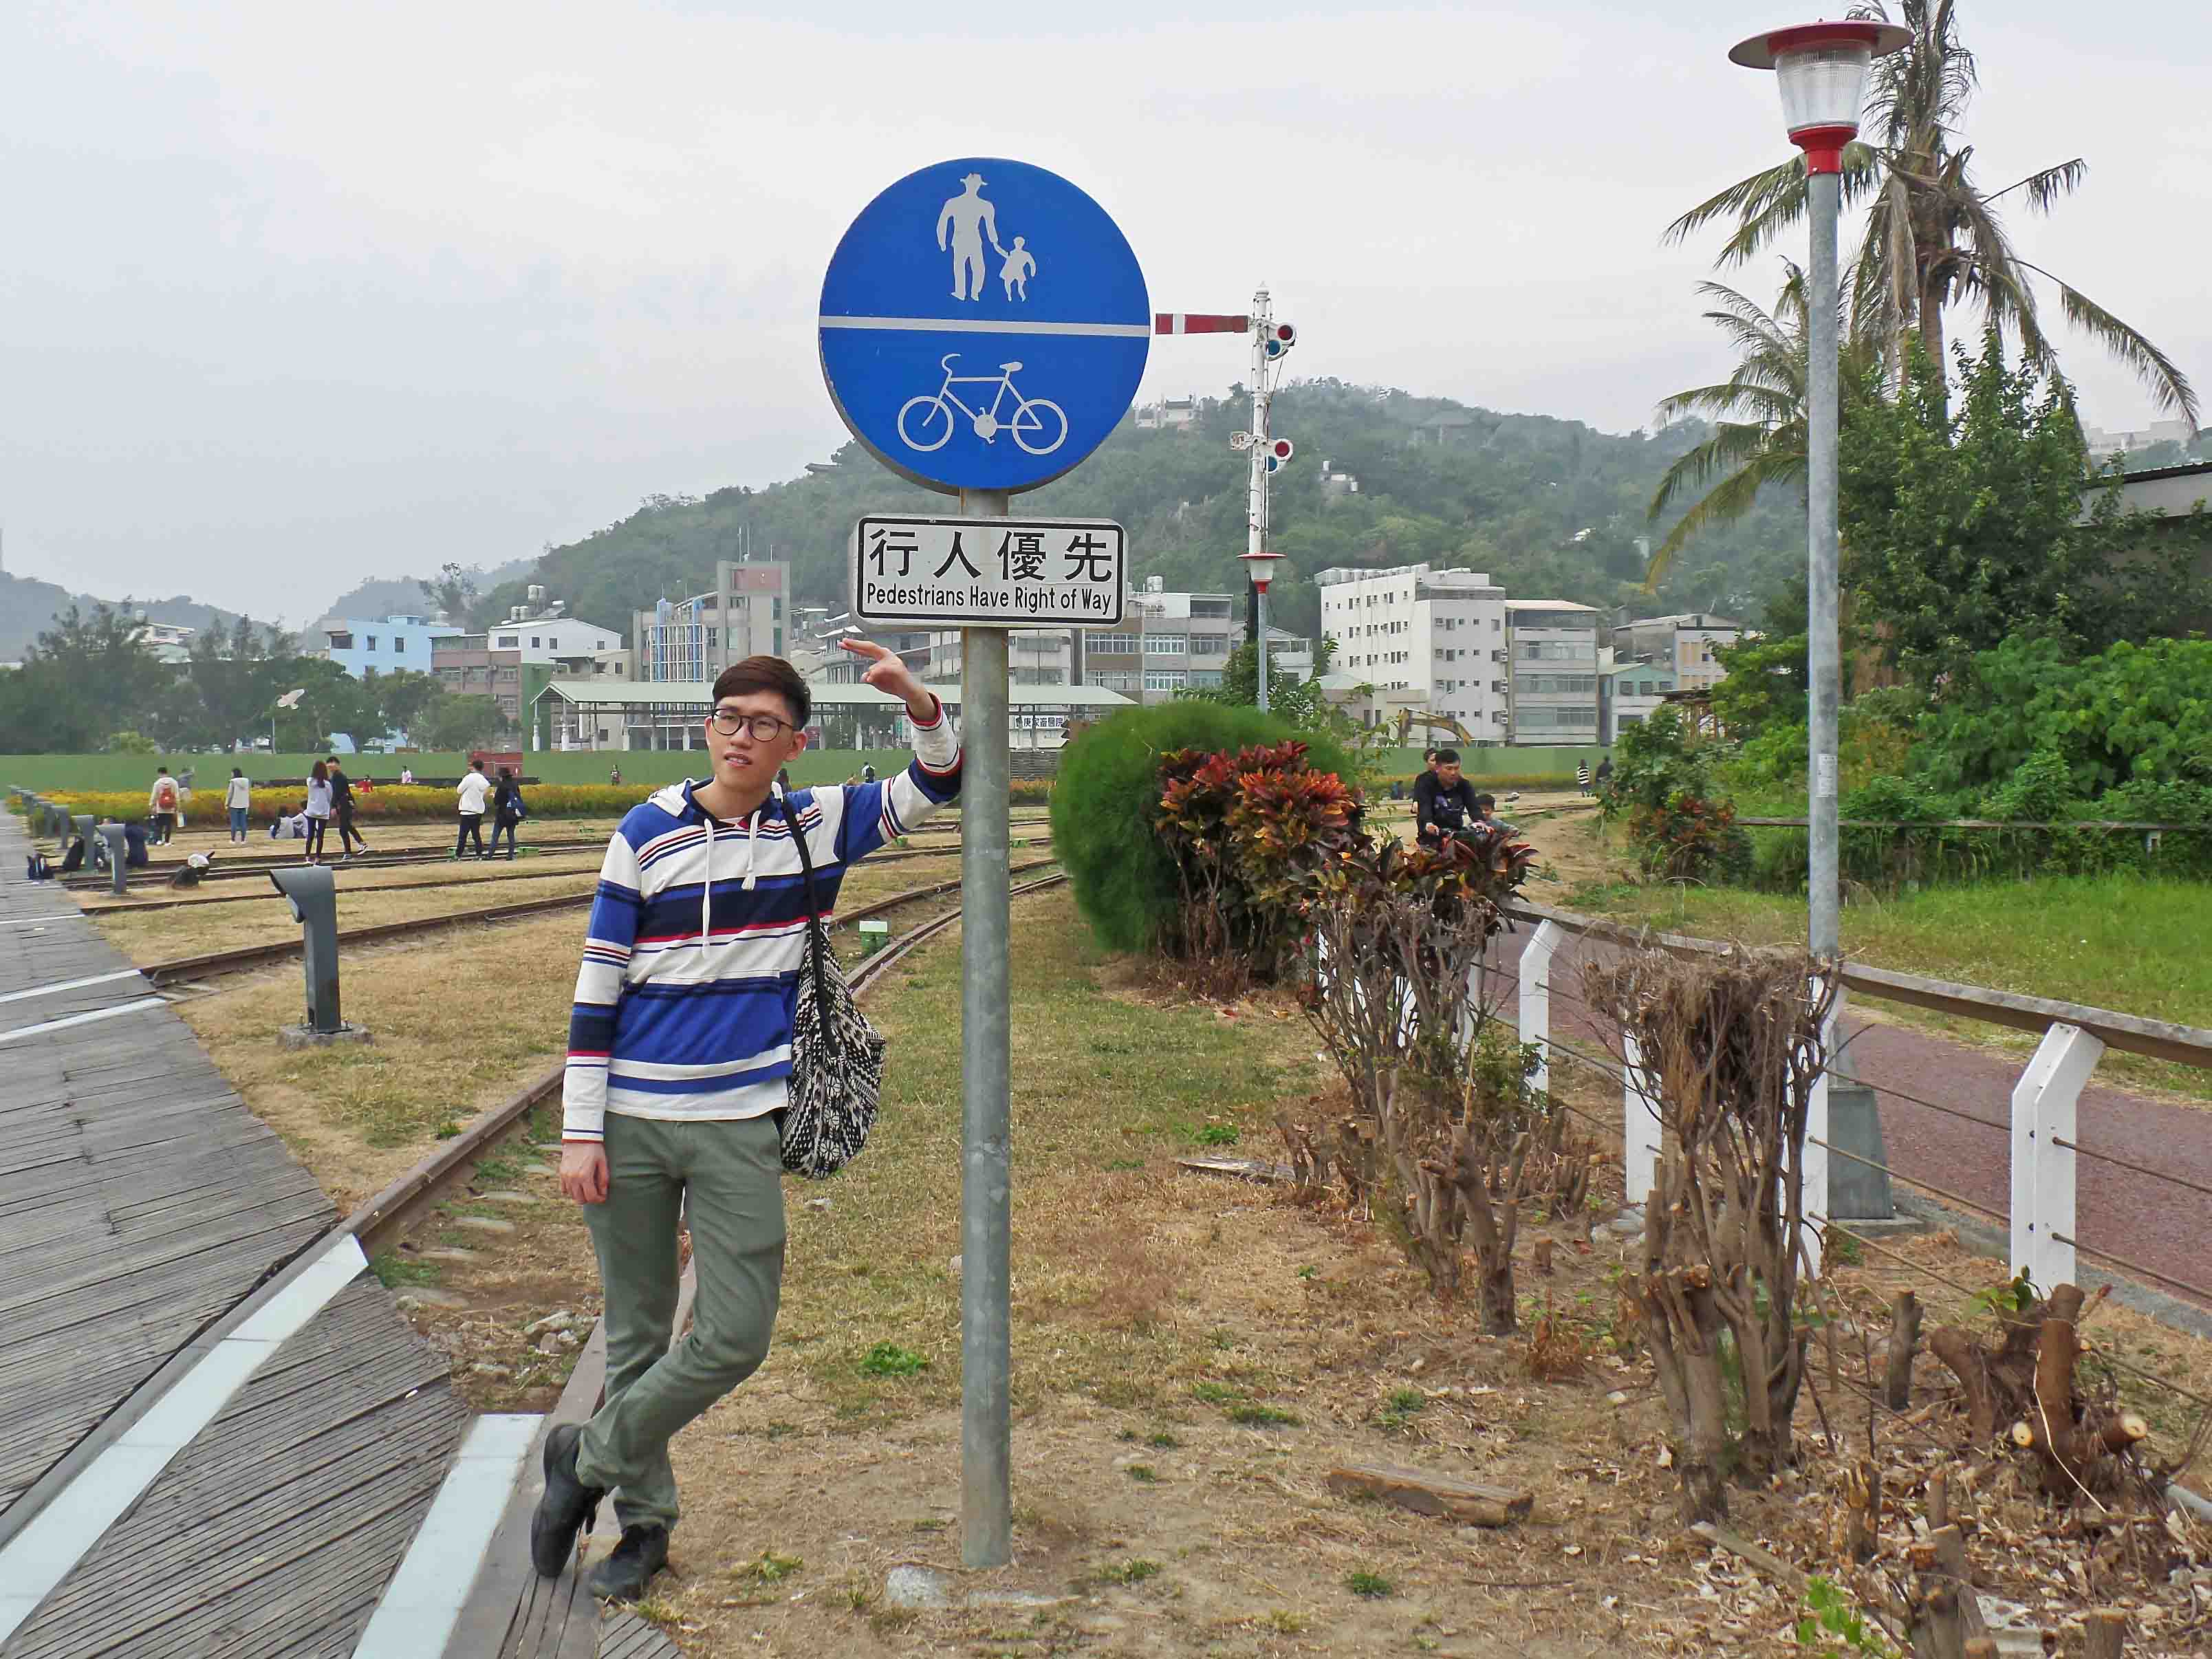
(2043, 1153)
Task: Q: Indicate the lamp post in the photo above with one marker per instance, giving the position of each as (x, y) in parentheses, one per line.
(1822, 71)
(1260, 565)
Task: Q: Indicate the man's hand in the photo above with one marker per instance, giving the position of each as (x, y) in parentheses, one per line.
(584, 1171)
(887, 673)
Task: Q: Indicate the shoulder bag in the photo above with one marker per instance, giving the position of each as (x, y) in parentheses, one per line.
(836, 1057)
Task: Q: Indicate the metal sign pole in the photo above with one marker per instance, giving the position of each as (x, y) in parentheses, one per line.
(987, 1519)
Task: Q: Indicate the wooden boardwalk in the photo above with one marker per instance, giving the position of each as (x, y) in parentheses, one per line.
(148, 1223)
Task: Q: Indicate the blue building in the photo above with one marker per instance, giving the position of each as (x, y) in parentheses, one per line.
(392, 642)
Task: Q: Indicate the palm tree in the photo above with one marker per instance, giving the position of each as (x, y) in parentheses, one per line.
(1932, 235)
(1758, 414)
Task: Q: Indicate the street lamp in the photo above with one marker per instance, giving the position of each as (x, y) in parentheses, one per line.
(1260, 565)
(1822, 69)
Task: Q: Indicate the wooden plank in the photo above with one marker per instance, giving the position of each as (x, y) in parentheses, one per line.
(1426, 1493)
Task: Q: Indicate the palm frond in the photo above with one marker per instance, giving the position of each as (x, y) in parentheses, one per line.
(1728, 501)
(2169, 387)
(2045, 188)
(1741, 199)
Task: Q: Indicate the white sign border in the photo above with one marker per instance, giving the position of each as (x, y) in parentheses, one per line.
(940, 620)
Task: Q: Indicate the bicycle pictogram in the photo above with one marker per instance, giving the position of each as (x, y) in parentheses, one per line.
(1039, 425)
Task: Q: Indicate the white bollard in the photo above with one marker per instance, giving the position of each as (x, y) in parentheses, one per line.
(1536, 995)
(1639, 1122)
(2042, 1110)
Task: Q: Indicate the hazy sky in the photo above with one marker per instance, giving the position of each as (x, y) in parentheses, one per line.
(293, 293)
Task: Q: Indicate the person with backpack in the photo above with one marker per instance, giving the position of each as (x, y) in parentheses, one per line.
(506, 812)
(472, 788)
(238, 798)
(680, 1067)
(318, 810)
(342, 800)
(162, 803)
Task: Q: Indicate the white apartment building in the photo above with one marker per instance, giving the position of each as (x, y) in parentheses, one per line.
(1553, 644)
(1427, 642)
(1682, 643)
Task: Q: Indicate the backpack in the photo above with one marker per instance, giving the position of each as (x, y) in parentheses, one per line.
(165, 796)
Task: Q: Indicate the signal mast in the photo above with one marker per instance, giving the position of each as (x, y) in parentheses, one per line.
(1271, 343)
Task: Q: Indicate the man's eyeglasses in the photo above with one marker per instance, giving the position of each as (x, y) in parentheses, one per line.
(765, 728)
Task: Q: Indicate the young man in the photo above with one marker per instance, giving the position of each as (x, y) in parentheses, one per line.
(679, 1057)
(1443, 801)
(472, 788)
(162, 806)
(343, 803)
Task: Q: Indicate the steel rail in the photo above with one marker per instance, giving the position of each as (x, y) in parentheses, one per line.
(255, 956)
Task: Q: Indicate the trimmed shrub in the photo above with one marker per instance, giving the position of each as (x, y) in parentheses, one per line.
(1105, 808)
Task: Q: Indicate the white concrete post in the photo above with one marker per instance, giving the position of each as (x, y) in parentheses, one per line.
(1639, 1122)
(1812, 1161)
(1536, 998)
(2043, 1108)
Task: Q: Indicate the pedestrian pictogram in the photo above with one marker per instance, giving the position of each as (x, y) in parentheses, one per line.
(984, 325)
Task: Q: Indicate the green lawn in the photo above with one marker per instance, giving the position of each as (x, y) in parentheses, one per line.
(2134, 944)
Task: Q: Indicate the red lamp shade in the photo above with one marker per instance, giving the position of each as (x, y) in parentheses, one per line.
(1822, 69)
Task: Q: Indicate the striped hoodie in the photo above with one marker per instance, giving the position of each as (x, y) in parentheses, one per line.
(683, 1006)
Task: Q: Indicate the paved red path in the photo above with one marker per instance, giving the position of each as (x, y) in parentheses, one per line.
(2162, 1226)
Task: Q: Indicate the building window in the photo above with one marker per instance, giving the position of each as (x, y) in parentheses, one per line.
(1167, 645)
(1113, 645)
(537, 643)
(508, 641)
(1165, 679)
(1208, 645)
(399, 643)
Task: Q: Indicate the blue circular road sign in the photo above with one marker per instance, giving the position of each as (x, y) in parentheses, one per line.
(984, 325)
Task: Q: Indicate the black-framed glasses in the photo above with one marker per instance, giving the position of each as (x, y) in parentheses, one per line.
(765, 728)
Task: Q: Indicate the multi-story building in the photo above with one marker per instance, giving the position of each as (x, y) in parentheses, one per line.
(170, 642)
(1424, 642)
(1627, 694)
(696, 638)
(385, 644)
(1682, 643)
(1166, 641)
(1554, 652)
(467, 665)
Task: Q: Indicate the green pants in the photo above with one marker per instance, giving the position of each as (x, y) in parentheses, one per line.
(731, 1173)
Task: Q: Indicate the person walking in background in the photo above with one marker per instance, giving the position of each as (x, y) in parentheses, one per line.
(506, 812)
(472, 788)
(341, 801)
(1603, 776)
(679, 1062)
(318, 810)
(614, 775)
(1582, 776)
(406, 774)
(238, 796)
(161, 806)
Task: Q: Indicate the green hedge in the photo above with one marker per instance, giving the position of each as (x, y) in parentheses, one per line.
(1105, 807)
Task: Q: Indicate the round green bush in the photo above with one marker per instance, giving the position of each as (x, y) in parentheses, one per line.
(1105, 804)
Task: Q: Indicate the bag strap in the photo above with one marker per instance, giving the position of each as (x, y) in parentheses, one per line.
(815, 948)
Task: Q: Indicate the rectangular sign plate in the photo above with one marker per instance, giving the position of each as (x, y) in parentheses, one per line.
(989, 572)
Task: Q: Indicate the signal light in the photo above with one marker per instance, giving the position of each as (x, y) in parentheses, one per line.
(1278, 452)
(1279, 339)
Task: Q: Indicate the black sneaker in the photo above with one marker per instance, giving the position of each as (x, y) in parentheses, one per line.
(623, 1575)
(567, 1507)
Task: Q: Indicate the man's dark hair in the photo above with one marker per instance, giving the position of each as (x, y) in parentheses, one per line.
(772, 674)
(1484, 803)
(1428, 757)
(159, 770)
(476, 766)
(1448, 757)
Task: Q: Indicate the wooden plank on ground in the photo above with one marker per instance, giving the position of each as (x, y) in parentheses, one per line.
(1433, 1494)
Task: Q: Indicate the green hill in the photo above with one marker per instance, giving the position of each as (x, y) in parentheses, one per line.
(1550, 507)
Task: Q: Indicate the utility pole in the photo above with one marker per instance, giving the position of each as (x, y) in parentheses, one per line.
(1271, 343)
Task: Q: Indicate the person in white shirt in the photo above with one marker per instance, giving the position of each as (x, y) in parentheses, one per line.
(238, 796)
(472, 789)
(318, 810)
(406, 774)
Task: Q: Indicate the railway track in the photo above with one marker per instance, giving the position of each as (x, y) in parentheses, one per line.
(214, 963)
(157, 874)
(382, 1220)
(141, 906)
